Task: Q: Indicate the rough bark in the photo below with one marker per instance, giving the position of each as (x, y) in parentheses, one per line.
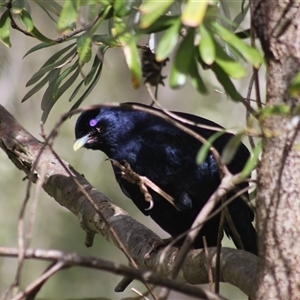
(277, 24)
(237, 267)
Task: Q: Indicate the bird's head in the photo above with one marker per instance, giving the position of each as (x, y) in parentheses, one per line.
(102, 129)
(90, 130)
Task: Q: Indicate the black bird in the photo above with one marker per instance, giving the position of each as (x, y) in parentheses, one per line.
(166, 155)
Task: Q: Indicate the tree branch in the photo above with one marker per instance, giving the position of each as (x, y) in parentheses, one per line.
(237, 267)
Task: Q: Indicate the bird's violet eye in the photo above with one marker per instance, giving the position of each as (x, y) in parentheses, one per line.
(93, 122)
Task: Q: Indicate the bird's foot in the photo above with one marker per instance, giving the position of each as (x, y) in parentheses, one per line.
(143, 183)
(132, 177)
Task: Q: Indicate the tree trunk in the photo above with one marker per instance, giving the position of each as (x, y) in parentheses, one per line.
(277, 24)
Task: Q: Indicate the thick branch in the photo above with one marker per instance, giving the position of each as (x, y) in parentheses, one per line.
(237, 267)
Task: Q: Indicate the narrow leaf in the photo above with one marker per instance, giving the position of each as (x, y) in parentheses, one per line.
(185, 53)
(26, 20)
(203, 151)
(123, 7)
(231, 147)
(130, 51)
(196, 79)
(226, 83)
(168, 41)
(207, 48)
(152, 10)
(176, 79)
(194, 12)
(252, 161)
(251, 54)
(229, 65)
(68, 16)
(4, 29)
(84, 48)
(49, 64)
(294, 88)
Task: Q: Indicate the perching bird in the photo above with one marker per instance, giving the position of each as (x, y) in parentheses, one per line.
(166, 155)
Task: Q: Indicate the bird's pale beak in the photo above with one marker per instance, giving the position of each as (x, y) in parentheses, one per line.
(79, 143)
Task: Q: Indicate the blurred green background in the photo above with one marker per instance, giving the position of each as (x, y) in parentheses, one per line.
(56, 227)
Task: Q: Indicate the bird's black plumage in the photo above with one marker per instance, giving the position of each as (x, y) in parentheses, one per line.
(166, 155)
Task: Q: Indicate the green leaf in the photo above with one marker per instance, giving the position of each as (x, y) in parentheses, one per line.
(226, 83)
(207, 48)
(37, 34)
(130, 51)
(68, 16)
(51, 63)
(294, 88)
(68, 83)
(48, 97)
(17, 6)
(176, 79)
(84, 48)
(37, 87)
(97, 61)
(4, 29)
(184, 57)
(161, 24)
(231, 147)
(76, 90)
(252, 161)
(106, 40)
(251, 54)
(168, 41)
(123, 7)
(229, 65)
(26, 20)
(202, 154)
(279, 109)
(152, 10)
(62, 76)
(196, 79)
(194, 12)
(88, 90)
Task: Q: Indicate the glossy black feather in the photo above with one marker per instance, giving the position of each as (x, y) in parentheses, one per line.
(166, 155)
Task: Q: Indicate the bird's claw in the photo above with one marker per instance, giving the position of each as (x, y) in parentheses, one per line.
(132, 177)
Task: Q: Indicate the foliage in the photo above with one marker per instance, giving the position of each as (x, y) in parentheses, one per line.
(198, 36)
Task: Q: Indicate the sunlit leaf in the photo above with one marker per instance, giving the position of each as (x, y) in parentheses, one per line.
(17, 6)
(185, 54)
(196, 79)
(68, 16)
(37, 87)
(49, 94)
(122, 7)
(207, 48)
(232, 147)
(294, 88)
(84, 48)
(203, 151)
(194, 12)
(4, 29)
(168, 41)
(52, 63)
(229, 65)
(161, 24)
(152, 10)
(226, 83)
(252, 161)
(251, 54)
(26, 20)
(130, 51)
(279, 109)
(176, 79)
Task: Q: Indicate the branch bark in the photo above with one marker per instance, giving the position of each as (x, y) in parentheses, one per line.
(277, 24)
(237, 267)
